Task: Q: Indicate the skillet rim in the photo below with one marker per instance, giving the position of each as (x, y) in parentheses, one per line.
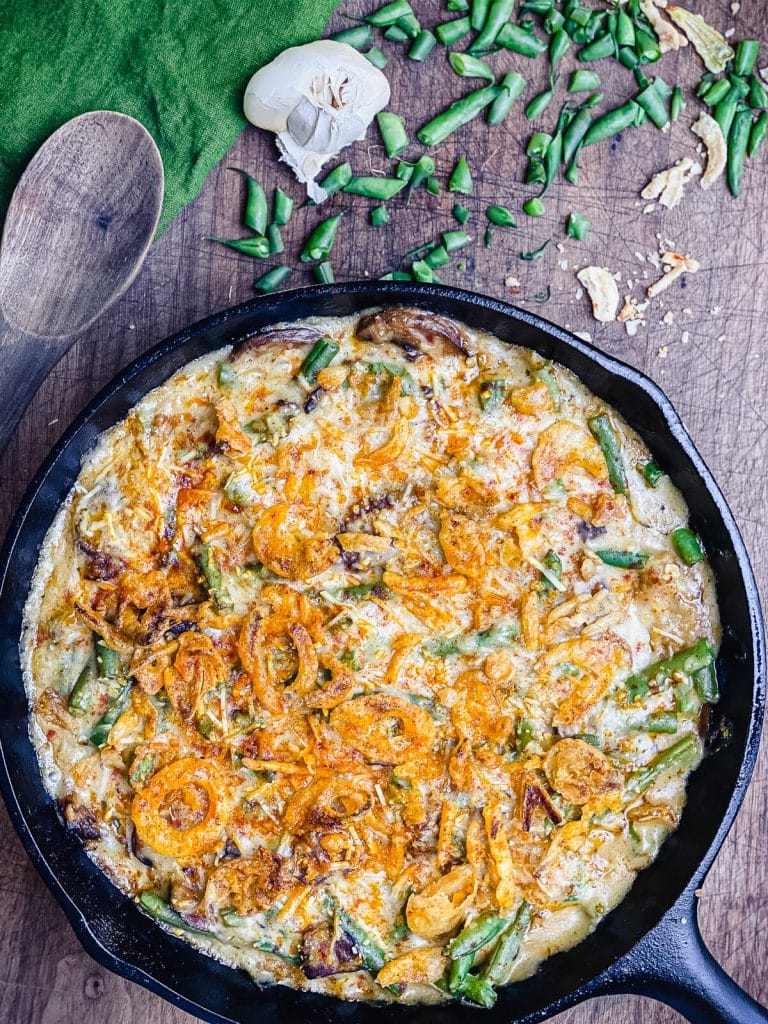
(379, 292)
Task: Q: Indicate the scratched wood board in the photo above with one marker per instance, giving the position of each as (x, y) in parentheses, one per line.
(704, 343)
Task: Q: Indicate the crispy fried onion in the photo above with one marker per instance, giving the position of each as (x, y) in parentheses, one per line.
(271, 650)
(249, 884)
(419, 594)
(442, 904)
(294, 540)
(105, 629)
(477, 714)
(581, 772)
(566, 450)
(575, 674)
(198, 666)
(501, 863)
(229, 432)
(392, 449)
(533, 798)
(464, 544)
(325, 803)
(183, 809)
(143, 602)
(384, 728)
(418, 967)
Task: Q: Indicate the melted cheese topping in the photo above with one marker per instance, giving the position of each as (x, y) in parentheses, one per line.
(327, 664)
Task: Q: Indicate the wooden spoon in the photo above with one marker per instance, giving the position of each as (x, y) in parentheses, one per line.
(78, 227)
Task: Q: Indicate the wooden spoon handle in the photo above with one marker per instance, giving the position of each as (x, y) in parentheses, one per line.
(24, 364)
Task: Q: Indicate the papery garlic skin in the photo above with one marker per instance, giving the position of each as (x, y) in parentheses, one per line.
(317, 99)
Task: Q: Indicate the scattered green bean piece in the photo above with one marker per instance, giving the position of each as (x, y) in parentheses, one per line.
(574, 134)
(107, 662)
(458, 972)
(359, 37)
(612, 123)
(275, 239)
(422, 271)
(478, 990)
(433, 185)
(437, 258)
(512, 86)
(625, 29)
(717, 91)
(396, 35)
(676, 104)
(454, 240)
(393, 134)
(552, 160)
(115, 706)
(622, 559)
(389, 13)
(157, 907)
(523, 735)
(492, 394)
(738, 140)
(680, 755)
(538, 144)
(577, 226)
(583, 81)
(705, 683)
(554, 566)
(258, 246)
(320, 241)
(404, 170)
(256, 214)
(536, 173)
(282, 208)
(499, 13)
(273, 278)
(470, 67)
(461, 213)
(410, 25)
(758, 97)
(746, 56)
(687, 545)
(377, 57)
(652, 474)
(535, 254)
(501, 217)
(422, 46)
(559, 45)
(379, 215)
(539, 104)
(686, 699)
(758, 134)
(451, 32)
(81, 696)
(475, 935)
(458, 114)
(534, 207)
(423, 168)
(488, 237)
(478, 13)
(652, 103)
(724, 113)
(212, 575)
(646, 47)
(320, 356)
(602, 430)
(499, 966)
(685, 662)
(461, 178)
(519, 40)
(603, 46)
(324, 273)
(458, 5)
(375, 188)
(662, 722)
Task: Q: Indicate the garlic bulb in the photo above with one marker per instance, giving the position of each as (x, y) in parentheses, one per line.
(317, 99)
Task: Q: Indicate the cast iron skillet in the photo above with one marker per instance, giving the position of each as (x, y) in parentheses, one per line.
(650, 944)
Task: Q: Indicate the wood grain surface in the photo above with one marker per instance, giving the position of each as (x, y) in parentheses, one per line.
(704, 343)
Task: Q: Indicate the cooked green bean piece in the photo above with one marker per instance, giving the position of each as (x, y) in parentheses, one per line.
(324, 273)
(81, 696)
(375, 188)
(577, 226)
(389, 13)
(470, 67)
(461, 178)
(258, 246)
(558, 47)
(758, 134)
(321, 355)
(377, 57)
(705, 683)
(501, 634)
(226, 377)
(539, 104)
(746, 56)
(379, 215)
(273, 278)
(622, 559)
(680, 755)
(738, 140)
(676, 104)
(603, 46)
(107, 662)
(454, 240)
(359, 37)
(661, 722)
(687, 545)
(458, 972)
(275, 239)
(602, 430)
(256, 214)
(546, 376)
(320, 241)
(478, 13)
(157, 907)
(422, 169)
(423, 45)
(520, 40)
(685, 662)
(554, 567)
(512, 86)
(282, 208)
(212, 575)
(524, 734)
(499, 966)
(451, 32)
(115, 707)
(652, 103)
(501, 217)
(534, 207)
(652, 474)
(370, 952)
(461, 213)
(458, 114)
(475, 935)
(686, 699)
(478, 990)
(396, 35)
(437, 258)
(393, 134)
(499, 14)
(492, 395)
(583, 81)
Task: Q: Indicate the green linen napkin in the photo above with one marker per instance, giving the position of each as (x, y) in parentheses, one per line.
(178, 66)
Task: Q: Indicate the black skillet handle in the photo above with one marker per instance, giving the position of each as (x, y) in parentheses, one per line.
(673, 965)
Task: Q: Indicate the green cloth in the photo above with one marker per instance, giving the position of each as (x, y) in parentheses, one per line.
(178, 66)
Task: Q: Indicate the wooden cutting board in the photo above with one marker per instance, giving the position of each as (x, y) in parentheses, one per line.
(705, 344)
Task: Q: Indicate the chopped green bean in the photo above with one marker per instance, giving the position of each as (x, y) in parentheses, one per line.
(524, 734)
(478, 990)
(501, 634)
(758, 97)
(646, 46)
(499, 966)
(437, 258)
(538, 144)
(738, 140)
(574, 134)
(625, 29)
(653, 104)
(622, 559)
(282, 207)
(603, 46)
(157, 907)
(501, 217)
(324, 273)
(375, 188)
(450, 32)
(320, 356)
(377, 57)
(685, 662)
(422, 46)
(115, 707)
(539, 104)
(680, 755)
(393, 134)
(652, 474)
(359, 37)
(758, 134)
(554, 567)
(422, 271)
(520, 40)
(558, 47)
(258, 246)
(499, 13)
(676, 104)
(717, 91)
(256, 214)
(583, 81)
(687, 545)
(724, 113)
(534, 207)
(320, 242)
(661, 722)
(458, 5)
(475, 935)
(395, 34)
(492, 394)
(512, 86)
(458, 972)
(458, 114)
(107, 662)
(379, 215)
(602, 430)
(552, 161)
(389, 13)
(746, 56)
(454, 240)
(273, 278)
(470, 67)
(275, 239)
(410, 24)
(461, 213)
(686, 699)
(705, 683)
(478, 13)
(81, 696)
(461, 178)
(422, 169)
(404, 170)
(577, 226)
(212, 575)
